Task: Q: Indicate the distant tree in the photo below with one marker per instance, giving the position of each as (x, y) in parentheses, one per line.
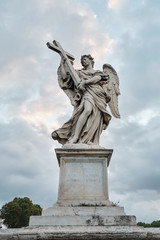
(142, 224)
(17, 212)
(153, 224)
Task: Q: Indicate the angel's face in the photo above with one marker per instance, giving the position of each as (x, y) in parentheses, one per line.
(86, 61)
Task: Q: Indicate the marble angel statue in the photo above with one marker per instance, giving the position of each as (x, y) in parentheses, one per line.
(90, 91)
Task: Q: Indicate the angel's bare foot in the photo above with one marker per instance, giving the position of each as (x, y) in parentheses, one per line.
(90, 143)
(104, 126)
(73, 140)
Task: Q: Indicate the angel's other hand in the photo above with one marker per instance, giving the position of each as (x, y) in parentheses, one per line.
(105, 77)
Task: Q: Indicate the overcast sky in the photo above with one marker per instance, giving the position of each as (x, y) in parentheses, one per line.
(123, 33)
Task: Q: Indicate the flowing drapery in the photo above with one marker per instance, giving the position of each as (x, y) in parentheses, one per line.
(98, 119)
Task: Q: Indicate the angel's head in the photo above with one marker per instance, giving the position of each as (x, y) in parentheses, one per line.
(86, 60)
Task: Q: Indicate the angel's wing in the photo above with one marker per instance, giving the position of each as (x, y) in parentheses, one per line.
(112, 89)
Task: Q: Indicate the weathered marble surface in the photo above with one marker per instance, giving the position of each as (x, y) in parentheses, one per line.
(83, 211)
(83, 220)
(83, 177)
(81, 233)
(90, 92)
(83, 192)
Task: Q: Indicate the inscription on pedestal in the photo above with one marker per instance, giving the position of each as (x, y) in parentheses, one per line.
(83, 178)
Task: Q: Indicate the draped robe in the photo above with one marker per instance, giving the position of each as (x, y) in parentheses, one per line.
(99, 117)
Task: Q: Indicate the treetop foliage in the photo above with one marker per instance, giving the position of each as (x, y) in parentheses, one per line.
(17, 212)
(153, 224)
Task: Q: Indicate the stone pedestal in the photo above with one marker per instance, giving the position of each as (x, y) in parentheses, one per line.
(83, 192)
(83, 177)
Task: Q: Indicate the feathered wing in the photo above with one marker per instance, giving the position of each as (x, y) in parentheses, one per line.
(112, 89)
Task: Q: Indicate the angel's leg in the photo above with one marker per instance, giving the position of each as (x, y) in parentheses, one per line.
(81, 121)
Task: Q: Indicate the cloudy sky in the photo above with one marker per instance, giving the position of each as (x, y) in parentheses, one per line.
(124, 33)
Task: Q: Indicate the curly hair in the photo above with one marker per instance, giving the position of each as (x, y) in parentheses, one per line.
(90, 58)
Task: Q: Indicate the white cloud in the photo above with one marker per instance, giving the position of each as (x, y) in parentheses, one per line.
(115, 4)
(144, 117)
(32, 104)
(138, 202)
(99, 46)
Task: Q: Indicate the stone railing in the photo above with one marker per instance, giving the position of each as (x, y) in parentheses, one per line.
(81, 233)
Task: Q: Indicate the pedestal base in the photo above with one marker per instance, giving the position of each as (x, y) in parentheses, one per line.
(83, 192)
(83, 216)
